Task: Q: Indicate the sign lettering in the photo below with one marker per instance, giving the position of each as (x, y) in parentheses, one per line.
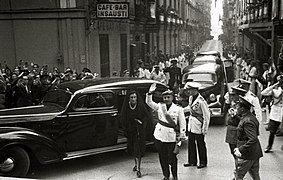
(112, 10)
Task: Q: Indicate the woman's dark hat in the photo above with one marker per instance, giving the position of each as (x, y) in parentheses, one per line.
(168, 92)
(86, 70)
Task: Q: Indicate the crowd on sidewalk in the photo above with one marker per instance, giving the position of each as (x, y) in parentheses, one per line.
(27, 83)
(258, 88)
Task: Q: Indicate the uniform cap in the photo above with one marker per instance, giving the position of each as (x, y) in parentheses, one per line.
(245, 84)
(245, 101)
(168, 92)
(190, 85)
(239, 88)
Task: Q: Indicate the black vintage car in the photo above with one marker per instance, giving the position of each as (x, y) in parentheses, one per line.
(76, 119)
(213, 85)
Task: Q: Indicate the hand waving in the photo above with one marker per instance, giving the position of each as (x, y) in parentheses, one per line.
(152, 88)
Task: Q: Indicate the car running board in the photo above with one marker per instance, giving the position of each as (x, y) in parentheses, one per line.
(89, 152)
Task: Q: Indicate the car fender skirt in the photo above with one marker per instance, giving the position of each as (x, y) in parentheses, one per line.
(43, 148)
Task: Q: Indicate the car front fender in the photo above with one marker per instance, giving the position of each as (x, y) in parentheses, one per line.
(44, 149)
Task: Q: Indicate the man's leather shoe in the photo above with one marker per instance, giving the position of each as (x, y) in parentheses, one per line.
(189, 164)
(201, 166)
(267, 149)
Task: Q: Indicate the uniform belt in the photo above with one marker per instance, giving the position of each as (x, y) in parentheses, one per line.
(167, 124)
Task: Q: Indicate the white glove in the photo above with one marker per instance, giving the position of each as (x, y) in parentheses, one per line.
(237, 152)
(152, 88)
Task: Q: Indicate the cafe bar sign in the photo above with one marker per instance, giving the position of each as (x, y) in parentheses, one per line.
(112, 10)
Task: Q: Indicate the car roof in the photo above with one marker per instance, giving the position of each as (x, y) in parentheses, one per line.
(206, 58)
(204, 69)
(89, 84)
(215, 53)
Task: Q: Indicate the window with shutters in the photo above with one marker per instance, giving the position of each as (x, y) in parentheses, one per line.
(124, 52)
(67, 3)
(104, 55)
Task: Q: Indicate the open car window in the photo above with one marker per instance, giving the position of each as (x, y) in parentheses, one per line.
(94, 100)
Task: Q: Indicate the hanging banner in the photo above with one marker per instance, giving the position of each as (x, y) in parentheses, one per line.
(112, 10)
(281, 10)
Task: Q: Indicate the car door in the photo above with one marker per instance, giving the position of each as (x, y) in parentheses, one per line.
(92, 121)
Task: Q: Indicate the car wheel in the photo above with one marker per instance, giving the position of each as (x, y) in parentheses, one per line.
(14, 161)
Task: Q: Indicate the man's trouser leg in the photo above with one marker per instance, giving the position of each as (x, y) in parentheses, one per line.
(243, 166)
(201, 149)
(192, 153)
(254, 171)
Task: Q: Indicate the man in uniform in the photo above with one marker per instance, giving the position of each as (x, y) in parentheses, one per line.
(276, 113)
(169, 116)
(252, 98)
(197, 126)
(248, 149)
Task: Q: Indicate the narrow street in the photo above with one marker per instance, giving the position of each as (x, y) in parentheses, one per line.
(118, 165)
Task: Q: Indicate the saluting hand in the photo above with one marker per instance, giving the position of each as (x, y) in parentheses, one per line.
(152, 88)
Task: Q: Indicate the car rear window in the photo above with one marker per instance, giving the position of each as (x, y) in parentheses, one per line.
(202, 77)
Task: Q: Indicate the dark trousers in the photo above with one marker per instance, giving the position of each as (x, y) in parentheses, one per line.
(244, 166)
(167, 157)
(196, 142)
(232, 147)
(273, 126)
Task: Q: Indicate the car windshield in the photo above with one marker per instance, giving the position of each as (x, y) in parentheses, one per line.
(202, 77)
(57, 96)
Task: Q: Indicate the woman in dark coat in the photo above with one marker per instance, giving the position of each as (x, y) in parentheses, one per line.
(135, 119)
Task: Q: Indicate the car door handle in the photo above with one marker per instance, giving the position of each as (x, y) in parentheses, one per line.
(114, 115)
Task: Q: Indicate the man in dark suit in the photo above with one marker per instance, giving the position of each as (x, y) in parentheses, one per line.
(248, 149)
(23, 93)
(175, 75)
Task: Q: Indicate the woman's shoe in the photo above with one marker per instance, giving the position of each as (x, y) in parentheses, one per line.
(138, 174)
(267, 149)
(135, 168)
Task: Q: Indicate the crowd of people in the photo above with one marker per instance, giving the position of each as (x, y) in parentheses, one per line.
(27, 84)
(189, 115)
(244, 105)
